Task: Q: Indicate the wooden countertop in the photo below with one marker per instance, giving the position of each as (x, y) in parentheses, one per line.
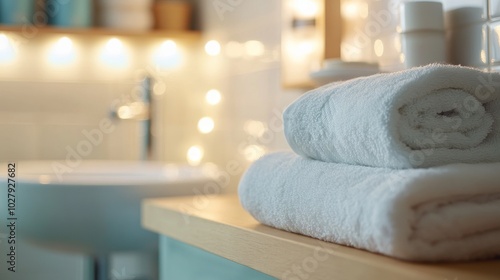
(218, 224)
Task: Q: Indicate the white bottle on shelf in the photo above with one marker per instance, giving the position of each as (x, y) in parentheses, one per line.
(133, 15)
(422, 33)
(467, 37)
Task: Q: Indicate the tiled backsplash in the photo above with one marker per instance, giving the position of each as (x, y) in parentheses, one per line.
(46, 120)
(43, 126)
(45, 107)
(253, 98)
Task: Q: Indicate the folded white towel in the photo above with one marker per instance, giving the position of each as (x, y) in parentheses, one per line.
(427, 116)
(443, 213)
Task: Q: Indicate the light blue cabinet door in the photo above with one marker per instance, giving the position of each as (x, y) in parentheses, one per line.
(180, 261)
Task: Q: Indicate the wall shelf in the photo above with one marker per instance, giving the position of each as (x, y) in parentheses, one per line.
(222, 227)
(97, 31)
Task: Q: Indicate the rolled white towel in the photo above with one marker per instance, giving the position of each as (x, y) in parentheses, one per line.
(426, 116)
(445, 213)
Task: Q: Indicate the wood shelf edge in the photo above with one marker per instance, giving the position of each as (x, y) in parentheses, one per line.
(31, 30)
(239, 238)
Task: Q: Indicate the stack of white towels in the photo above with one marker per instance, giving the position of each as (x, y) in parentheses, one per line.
(404, 164)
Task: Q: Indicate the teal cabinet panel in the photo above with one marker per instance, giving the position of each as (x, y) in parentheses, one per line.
(180, 261)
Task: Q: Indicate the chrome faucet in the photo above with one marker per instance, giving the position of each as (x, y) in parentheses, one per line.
(140, 110)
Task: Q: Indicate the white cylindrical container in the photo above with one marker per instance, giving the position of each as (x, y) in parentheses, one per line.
(134, 15)
(467, 37)
(422, 33)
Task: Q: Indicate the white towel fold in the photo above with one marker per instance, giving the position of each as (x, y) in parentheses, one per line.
(445, 213)
(427, 116)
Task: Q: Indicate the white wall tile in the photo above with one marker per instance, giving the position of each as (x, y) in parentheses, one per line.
(251, 86)
(494, 9)
(19, 141)
(55, 114)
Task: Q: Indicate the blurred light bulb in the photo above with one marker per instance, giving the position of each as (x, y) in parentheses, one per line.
(7, 52)
(254, 128)
(254, 48)
(4, 40)
(65, 44)
(114, 54)
(124, 112)
(301, 51)
(212, 48)
(306, 8)
(304, 48)
(114, 44)
(350, 10)
(167, 55)
(213, 97)
(194, 155)
(169, 47)
(63, 52)
(253, 152)
(206, 125)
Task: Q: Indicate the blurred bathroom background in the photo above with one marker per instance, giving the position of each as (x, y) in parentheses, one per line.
(218, 92)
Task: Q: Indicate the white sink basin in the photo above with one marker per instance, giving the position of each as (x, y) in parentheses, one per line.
(95, 209)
